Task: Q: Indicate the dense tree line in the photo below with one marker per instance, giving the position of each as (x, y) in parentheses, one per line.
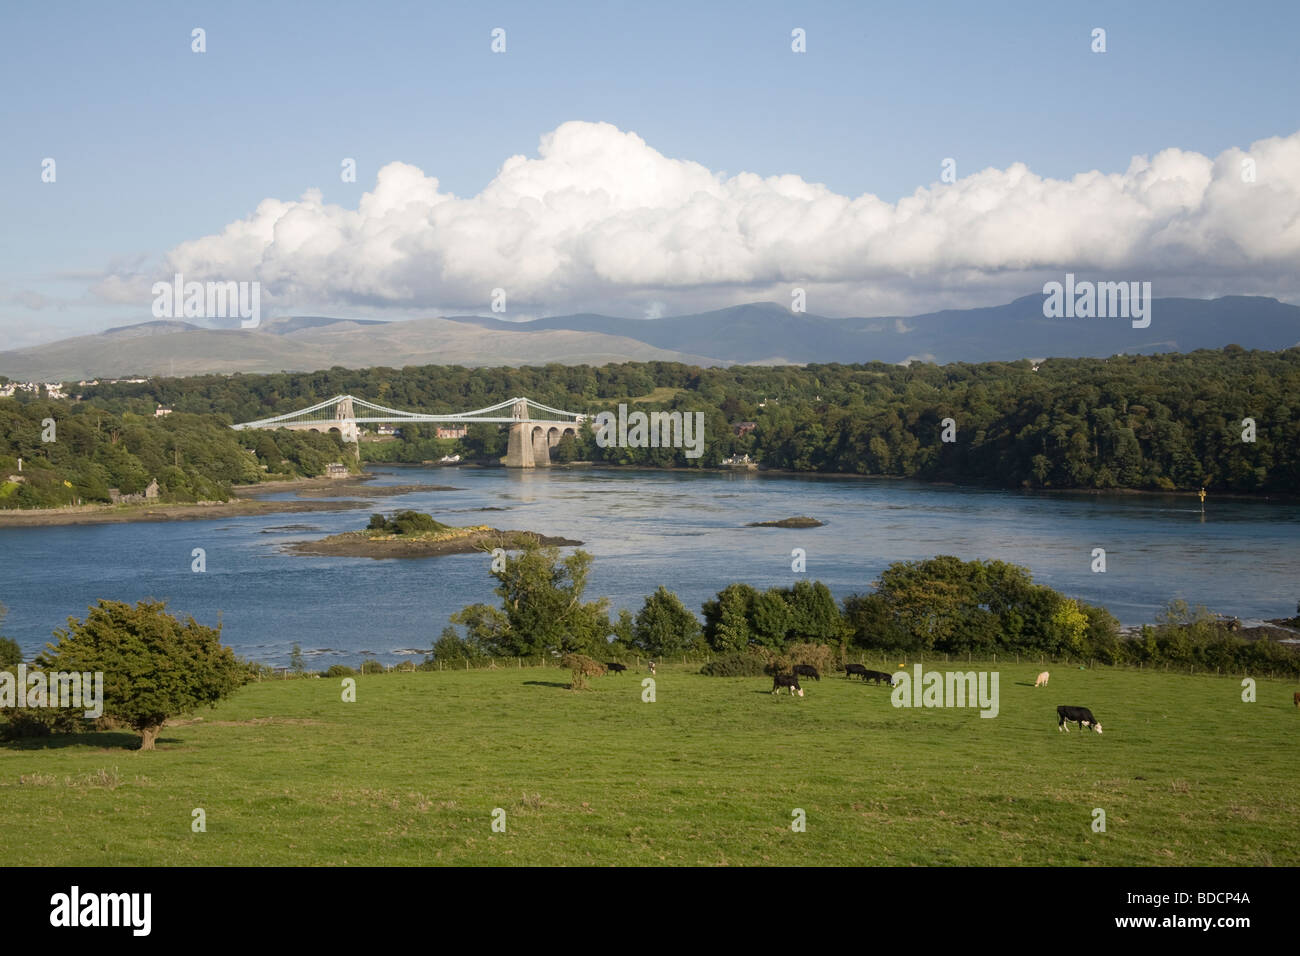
(1170, 421)
(77, 451)
(939, 606)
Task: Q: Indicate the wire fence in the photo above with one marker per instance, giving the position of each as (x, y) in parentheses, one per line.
(886, 660)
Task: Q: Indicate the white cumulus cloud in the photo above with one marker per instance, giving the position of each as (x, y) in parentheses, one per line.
(600, 217)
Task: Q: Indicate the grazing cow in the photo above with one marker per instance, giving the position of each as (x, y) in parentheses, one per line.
(851, 669)
(806, 670)
(786, 680)
(614, 667)
(1080, 715)
(880, 677)
(652, 668)
(1042, 680)
(1296, 698)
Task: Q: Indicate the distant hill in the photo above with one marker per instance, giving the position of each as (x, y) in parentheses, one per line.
(759, 333)
(768, 333)
(176, 348)
(158, 327)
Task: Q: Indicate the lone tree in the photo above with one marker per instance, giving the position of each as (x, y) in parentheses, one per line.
(154, 665)
(541, 607)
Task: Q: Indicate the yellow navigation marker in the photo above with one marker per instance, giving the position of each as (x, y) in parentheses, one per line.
(1202, 496)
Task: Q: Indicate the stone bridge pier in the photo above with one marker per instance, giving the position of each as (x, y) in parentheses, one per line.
(531, 441)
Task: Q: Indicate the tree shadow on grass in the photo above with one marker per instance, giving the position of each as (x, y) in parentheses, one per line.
(103, 740)
(546, 683)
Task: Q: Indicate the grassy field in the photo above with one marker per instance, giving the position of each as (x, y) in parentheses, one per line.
(707, 774)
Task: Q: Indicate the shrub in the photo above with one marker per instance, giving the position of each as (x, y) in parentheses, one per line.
(405, 522)
(339, 670)
(748, 663)
(372, 667)
(820, 656)
(582, 667)
(11, 655)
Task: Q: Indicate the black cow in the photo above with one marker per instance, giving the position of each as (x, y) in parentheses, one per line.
(879, 677)
(615, 667)
(806, 670)
(1079, 715)
(786, 680)
(851, 669)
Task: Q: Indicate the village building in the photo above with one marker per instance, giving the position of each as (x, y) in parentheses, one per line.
(150, 493)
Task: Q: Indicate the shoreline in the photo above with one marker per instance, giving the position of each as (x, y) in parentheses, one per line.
(245, 499)
(195, 511)
(1277, 497)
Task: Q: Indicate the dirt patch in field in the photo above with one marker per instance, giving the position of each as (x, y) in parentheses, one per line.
(255, 722)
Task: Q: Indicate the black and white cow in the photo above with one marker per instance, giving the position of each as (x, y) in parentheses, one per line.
(1079, 715)
(786, 680)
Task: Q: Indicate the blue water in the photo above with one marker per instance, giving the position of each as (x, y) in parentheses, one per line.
(644, 528)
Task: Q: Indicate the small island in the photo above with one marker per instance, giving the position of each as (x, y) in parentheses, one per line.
(412, 534)
(798, 522)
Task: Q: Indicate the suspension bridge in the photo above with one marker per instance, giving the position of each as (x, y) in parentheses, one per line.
(531, 436)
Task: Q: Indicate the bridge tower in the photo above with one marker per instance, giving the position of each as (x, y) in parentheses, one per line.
(526, 450)
(347, 421)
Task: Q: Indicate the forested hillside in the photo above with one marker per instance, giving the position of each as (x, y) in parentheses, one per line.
(1169, 421)
(192, 457)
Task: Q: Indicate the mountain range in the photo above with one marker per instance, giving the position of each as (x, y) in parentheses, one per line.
(759, 333)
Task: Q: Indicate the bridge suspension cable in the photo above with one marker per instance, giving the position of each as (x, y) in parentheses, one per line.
(343, 408)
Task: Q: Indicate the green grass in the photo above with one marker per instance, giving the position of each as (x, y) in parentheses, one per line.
(708, 774)
(661, 395)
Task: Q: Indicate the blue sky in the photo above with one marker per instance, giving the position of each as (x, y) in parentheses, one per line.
(156, 145)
